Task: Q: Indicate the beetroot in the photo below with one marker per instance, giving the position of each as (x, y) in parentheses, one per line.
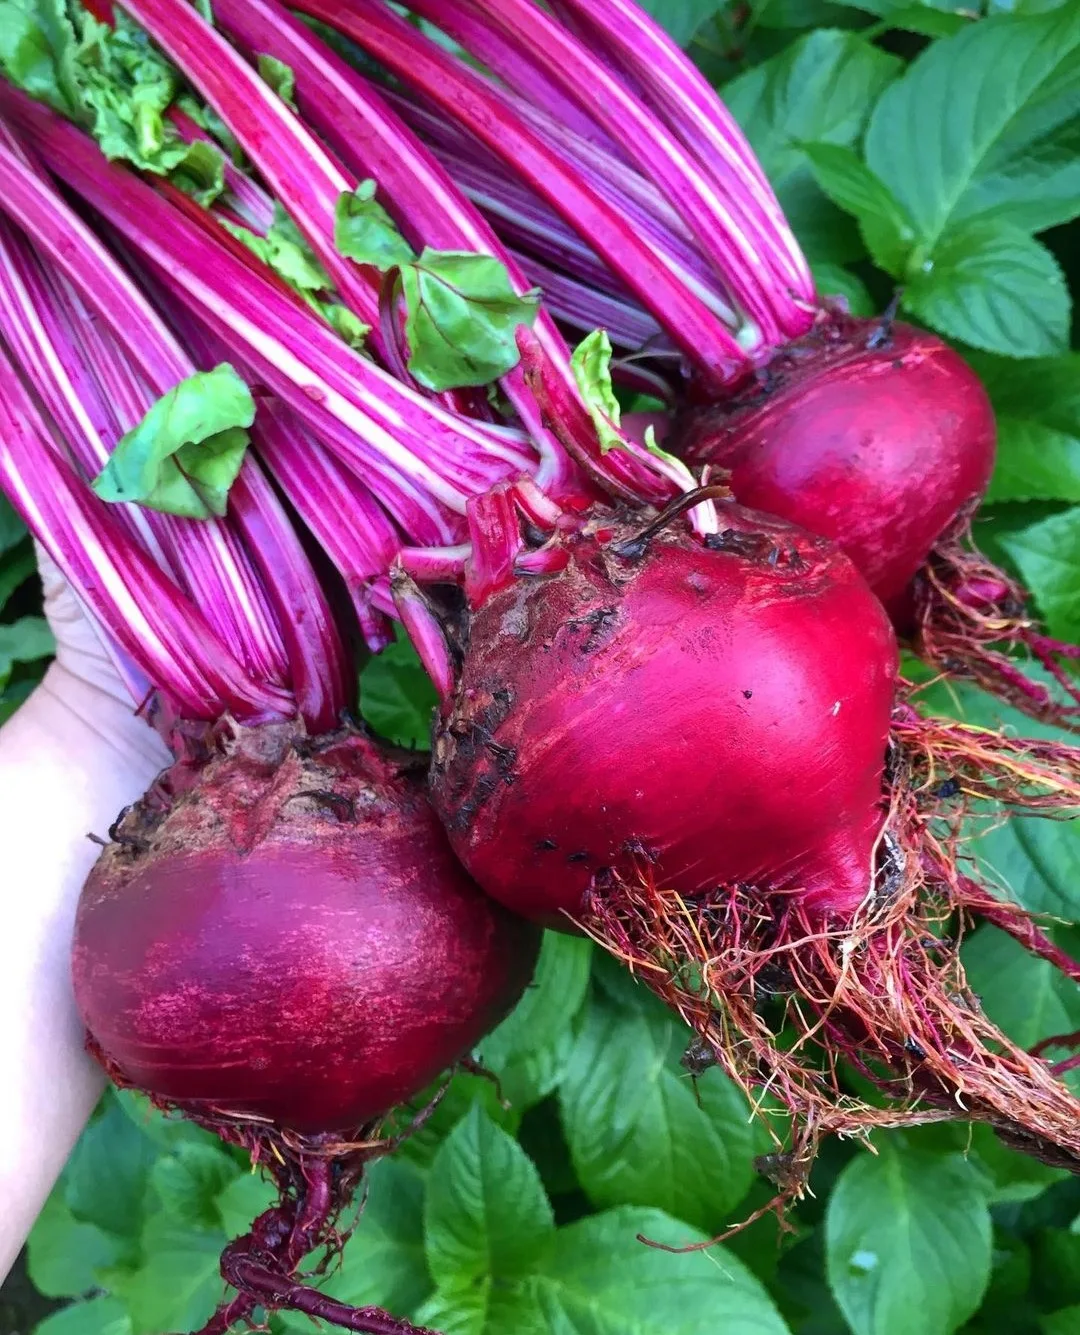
(280, 945)
(880, 437)
(756, 679)
(695, 751)
(291, 938)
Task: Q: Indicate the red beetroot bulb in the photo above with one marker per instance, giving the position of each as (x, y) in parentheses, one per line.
(720, 709)
(874, 436)
(281, 933)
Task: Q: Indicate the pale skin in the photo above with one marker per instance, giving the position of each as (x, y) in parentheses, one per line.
(70, 758)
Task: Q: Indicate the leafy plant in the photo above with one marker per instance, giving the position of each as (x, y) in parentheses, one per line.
(930, 149)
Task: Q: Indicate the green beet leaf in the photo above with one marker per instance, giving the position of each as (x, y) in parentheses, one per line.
(639, 1131)
(280, 77)
(487, 1214)
(462, 317)
(185, 454)
(1037, 406)
(1047, 555)
(24, 641)
(908, 1241)
(98, 1316)
(366, 233)
(992, 286)
(983, 126)
(591, 365)
(852, 186)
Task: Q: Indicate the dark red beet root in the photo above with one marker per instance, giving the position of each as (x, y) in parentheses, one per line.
(876, 440)
(880, 437)
(722, 711)
(280, 944)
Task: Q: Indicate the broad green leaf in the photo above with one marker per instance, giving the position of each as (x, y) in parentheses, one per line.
(106, 1177)
(993, 287)
(820, 89)
(462, 317)
(598, 1280)
(397, 698)
(16, 567)
(853, 187)
(189, 1180)
(280, 77)
(487, 1213)
(383, 1264)
(185, 454)
(639, 1131)
(178, 1284)
(1037, 405)
(682, 18)
(1047, 555)
(591, 364)
(984, 126)
(64, 1255)
(1024, 996)
(99, 1316)
(24, 641)
(481, 1308)
(528, 1051)
(365, 232)
(908, 1241)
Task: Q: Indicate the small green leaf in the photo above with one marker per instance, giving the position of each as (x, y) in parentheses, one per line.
(462, 317)
(639, 1131)
(992, 287)
(280, 77)
(591, 364)
(366, 233)
(24, 641)
(12, 528)
(397, 698)
(99, 1316)
(487, 1213)
(1047, 555)
(598, 1280)
(852, 186)
(189, 1180)
(285, 249)
(908, 1242)
(185, 454)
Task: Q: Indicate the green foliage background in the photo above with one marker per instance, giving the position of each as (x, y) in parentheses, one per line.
(926, 146)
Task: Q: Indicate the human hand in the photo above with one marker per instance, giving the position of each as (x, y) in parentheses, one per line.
(71, 757)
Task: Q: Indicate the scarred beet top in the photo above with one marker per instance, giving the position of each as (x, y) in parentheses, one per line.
(874, 438)
(283, 932)
(721, 711)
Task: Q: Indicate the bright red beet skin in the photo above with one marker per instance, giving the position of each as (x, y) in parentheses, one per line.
(723, 711)
(289, 937)
(877, 442)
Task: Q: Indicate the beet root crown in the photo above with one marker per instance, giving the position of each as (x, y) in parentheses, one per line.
(280, 944)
